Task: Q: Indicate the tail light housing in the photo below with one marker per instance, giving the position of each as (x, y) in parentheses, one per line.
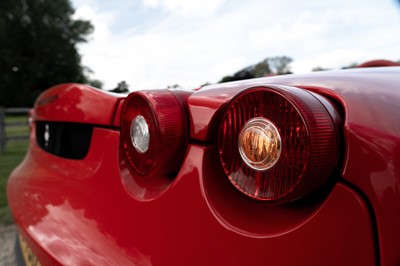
(154, 132)
(278, 143)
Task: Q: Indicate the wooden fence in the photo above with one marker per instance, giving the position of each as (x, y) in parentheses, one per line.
(3, 124)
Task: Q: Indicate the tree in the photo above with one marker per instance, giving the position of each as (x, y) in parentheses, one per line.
(262, 68)
(280, 64)
(38, 48)
(175, 86)
(318, 68)
(205, 84)
(122, 87)
(253, 71)
(226, 79)
(352, 65)
(98, 84)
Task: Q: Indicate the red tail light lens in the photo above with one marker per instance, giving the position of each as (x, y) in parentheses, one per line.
(153, 132)
(277, 144)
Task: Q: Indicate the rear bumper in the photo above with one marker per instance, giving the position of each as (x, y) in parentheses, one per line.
(83, 212)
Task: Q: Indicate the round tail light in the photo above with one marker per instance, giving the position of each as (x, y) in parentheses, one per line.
(153, 132)
(277, 144)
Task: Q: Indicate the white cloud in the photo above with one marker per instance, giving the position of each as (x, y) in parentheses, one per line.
(303, 33)
(229, 66)
(158, 43)
(185, 7)
(101, 21)
(332, 59)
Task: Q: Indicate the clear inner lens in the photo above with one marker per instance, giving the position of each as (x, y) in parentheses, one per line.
(260, 144)
(140, 135)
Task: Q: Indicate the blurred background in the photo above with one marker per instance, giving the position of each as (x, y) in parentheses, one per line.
(125, 45)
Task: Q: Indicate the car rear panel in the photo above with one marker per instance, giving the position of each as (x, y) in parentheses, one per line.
(88, 212)
(79, 212)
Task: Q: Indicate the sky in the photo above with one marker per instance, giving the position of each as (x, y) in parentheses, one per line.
(153, 44)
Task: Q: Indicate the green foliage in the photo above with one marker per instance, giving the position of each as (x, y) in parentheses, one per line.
(38, 48)
(262, 68)
(278, 65)
(318, 68)
(122, 87)
(175, 86)
(226, 79)
(205, 84)
(352, 65)
(95, 83)
(245, 73)
(14, 154)
(8, 161)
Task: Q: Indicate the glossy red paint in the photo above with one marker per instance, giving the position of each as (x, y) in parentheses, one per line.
(76, 103)
(91, 212)
(370, 99)
(83, 216)
(379, 63)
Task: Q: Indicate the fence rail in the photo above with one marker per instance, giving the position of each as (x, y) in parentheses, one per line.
(4, 124)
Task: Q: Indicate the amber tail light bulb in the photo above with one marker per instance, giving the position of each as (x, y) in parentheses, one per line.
(260, 144)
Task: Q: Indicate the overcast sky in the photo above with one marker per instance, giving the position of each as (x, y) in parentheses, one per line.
(155, 43)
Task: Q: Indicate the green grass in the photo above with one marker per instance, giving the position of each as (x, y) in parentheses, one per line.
(13, 155)
(17, 130)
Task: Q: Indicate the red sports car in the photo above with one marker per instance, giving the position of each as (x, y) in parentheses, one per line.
(283, 170)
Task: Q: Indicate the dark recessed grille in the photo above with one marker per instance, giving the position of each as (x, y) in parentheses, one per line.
(67, 140)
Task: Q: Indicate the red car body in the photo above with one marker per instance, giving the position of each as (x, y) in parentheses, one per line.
(92, 211)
